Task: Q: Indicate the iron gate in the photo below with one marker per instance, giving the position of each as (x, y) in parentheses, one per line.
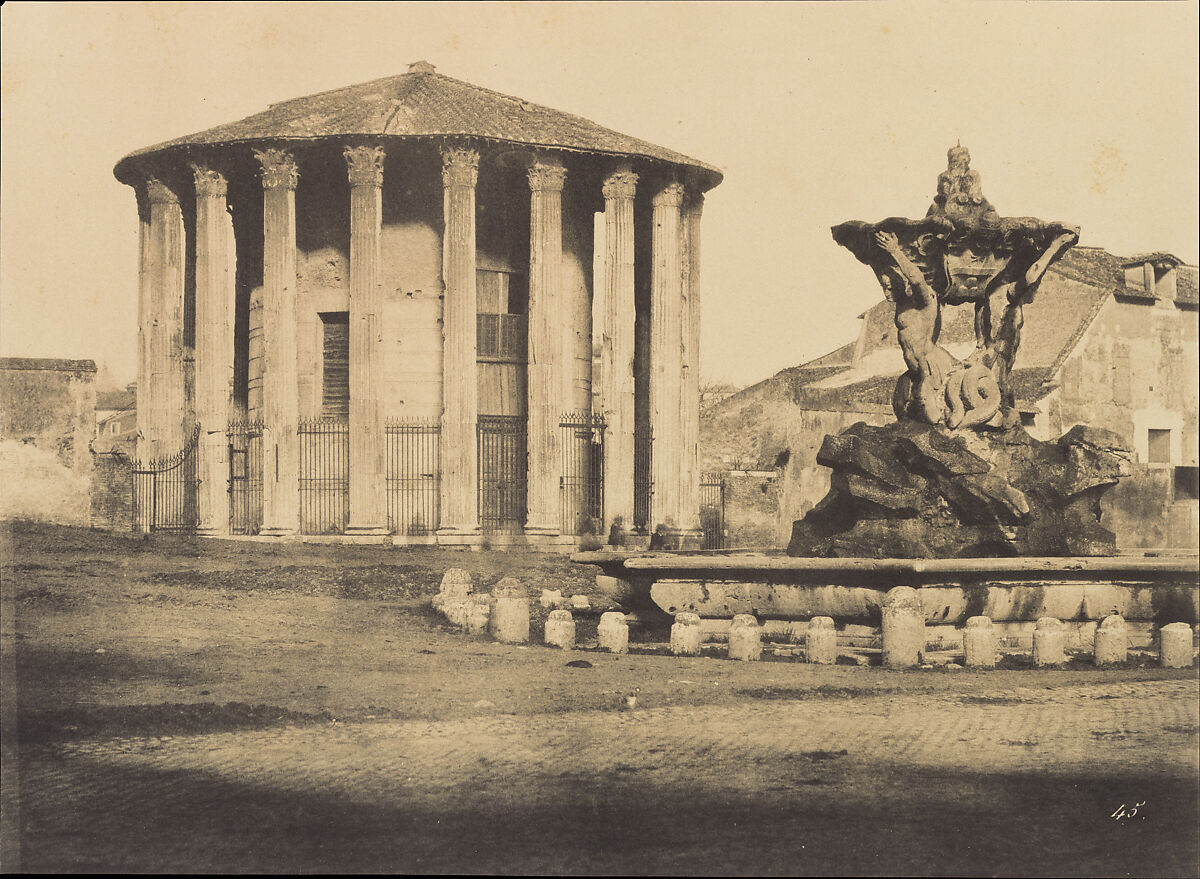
(245, 476)
(643, 484)
(712, 510)
(164, 490)
(581, 485)
(502, 473)
(324, 475)
(413, 475)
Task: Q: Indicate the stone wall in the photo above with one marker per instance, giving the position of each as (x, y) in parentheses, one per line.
(763, 428)
(751, 508)
(112, 492)
(51, 404)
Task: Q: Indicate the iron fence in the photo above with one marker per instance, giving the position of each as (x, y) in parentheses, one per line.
(324, 475)
(502, 473)
(245, 476)
(581, 485)
(643, 484)
(164, 490)
(413, 475)
(712, 510)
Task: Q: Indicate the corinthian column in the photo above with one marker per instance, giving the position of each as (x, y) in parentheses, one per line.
(145, 364)
(280, 397)
(368, 515)
(616, 355)
(546, 363)
(666, 344)
(167, 419)
(689, 406)
(214, 348)
(460, 395)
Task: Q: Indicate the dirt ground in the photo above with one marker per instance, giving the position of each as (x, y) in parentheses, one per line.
(220, 706)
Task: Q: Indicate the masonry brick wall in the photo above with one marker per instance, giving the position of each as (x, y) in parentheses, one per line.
(112, 492)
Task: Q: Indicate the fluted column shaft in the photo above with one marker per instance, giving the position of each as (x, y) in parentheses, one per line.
(280, 396)
(168, 420)
(145, 325)
(689, 405)
(666, 354)
(214, 347)
(368, 513)
(546, 356)
(616, 355)
(460, 394)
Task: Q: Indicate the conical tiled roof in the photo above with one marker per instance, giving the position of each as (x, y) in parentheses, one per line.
(423, 103)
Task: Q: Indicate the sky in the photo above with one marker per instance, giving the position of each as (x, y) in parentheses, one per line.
(816, 112)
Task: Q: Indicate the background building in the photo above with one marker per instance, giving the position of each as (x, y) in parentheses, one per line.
(419, 307)
(1109, 342)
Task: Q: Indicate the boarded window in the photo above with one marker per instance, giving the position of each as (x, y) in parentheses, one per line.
(500, 324)
(1187, 484)
(1158, 446)
(335, 369)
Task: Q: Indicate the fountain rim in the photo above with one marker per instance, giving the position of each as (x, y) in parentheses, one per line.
(1134, 568)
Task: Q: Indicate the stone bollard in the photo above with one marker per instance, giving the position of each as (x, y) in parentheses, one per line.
(456, 586)
(478, 615)
(551, 598)
(613, 632)
(979, 643)
(685, 635)
(456, 612)
(1111, 641)
(903, 627)
(560, 630)
(1048, 642)
(510, 616)
(745, 638)
(820, 641)
(1175, 645)
(580, 602)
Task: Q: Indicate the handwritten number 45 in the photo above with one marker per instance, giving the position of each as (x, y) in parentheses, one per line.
(1124, 811)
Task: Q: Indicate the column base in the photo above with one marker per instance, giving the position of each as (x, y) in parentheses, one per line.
(542, 531)
(278, 531)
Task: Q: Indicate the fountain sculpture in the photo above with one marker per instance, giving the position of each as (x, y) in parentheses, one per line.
(957, 475)
(954, 497)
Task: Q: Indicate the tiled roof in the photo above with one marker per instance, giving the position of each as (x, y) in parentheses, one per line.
(422, 103)
(115, 400)
(1159, 256)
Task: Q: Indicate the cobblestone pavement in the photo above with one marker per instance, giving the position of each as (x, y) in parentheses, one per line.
(925, 779)
(302, 709)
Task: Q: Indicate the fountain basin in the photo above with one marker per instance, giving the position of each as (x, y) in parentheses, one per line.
(1158, 590)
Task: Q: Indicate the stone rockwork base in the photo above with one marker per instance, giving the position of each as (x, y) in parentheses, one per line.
(912, 490)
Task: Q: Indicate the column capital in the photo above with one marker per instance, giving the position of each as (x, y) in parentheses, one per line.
(209, 183)
(546, 175)
(460, 166)
(158, 192)
(620, 184)
(279, 169)
(670, 195)
(695, 199)
(364, 165)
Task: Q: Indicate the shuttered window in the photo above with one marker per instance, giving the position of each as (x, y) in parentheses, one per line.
(335, 368)
(501, 322)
